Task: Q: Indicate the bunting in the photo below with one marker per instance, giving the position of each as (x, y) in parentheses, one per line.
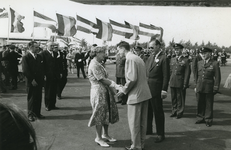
(86, 26)
(134, 35)
(105, 30)
(3, 13)
(16, 22)
(66, 25)
(41, 20)
(119, 28)
(148, 30)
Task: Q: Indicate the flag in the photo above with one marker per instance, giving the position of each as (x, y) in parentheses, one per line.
(16, 22)
(105, 30)
(86, 26)
(41, 20)
(120, 29)
(3, 13)
(66, 25)
(134, 35)
(148, 30)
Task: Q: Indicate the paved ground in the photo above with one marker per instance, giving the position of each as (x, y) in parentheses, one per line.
(66, 128)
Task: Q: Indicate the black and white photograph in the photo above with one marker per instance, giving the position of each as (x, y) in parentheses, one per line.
(115, 74)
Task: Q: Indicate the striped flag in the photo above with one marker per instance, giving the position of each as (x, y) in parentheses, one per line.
(120, 29)
(66, 25)
(3, 13)
(105, 30)
(41, 20)
(86, 26)
(16, 22)
(148, 30)
(134, 35)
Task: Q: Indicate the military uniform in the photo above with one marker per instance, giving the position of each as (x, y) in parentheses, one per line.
(179, 80)
(207, 80)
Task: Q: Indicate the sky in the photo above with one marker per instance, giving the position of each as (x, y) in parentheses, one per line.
(196, 24)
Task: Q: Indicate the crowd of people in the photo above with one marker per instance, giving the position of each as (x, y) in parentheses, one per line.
(142, 81)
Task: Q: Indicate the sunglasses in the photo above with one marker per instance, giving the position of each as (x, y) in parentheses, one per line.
(151, 48)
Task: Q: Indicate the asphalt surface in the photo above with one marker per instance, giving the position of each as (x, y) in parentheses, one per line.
(66, 128)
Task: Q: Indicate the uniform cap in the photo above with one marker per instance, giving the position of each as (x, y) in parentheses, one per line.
(138, 48)
(177, 45)
(205, 49)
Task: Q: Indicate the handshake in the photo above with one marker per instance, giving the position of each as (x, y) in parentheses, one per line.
(117, 87)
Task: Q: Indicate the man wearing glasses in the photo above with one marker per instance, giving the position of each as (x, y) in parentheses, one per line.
(157, 66)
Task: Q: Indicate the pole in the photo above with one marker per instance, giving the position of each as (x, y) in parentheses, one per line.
(9, 20)
(33, 27)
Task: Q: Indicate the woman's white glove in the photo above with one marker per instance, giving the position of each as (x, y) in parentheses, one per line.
(114, 85)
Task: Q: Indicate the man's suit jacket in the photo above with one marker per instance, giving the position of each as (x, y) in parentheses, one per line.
(33, 69)
(208, 76)
(136, 86)
(79, 59)
(62, 63)
(120, 66)
(51, 70)
(12, 58)
(180, 72)
(196, 59)
(158, 73)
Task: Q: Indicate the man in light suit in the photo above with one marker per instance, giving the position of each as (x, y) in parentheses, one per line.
(157, 66)
(138, 94)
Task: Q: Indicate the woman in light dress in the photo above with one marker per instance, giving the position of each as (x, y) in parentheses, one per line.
(70, 57)
(102, 98)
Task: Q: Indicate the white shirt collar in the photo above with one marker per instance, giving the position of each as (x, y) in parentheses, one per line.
(32, 54)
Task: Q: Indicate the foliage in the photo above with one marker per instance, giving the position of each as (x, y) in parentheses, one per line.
(83, 43)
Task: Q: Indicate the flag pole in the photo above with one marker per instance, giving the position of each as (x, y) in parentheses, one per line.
(9, 19)
(33, 26)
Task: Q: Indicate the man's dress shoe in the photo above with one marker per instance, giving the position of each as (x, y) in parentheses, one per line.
(208, 124)
(173, 115)
(159, 138)
(200, 121)
(47, 109)
(31, 118)
(41, 117)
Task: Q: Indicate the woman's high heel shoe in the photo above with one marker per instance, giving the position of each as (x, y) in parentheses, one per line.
(102, 143)
(110, 139)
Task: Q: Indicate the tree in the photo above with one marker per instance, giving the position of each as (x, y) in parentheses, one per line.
(83, 43)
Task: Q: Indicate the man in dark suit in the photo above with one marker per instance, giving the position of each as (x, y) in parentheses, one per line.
(2, 84)
(12, 58)
(62, 63)
(33, 69)
(208, 78)
(179, 80)
(157, 66)
(79, 60)
(52, 74)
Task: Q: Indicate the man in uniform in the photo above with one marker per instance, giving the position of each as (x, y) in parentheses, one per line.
(157, 66)
(208, 77)
(179, 80)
